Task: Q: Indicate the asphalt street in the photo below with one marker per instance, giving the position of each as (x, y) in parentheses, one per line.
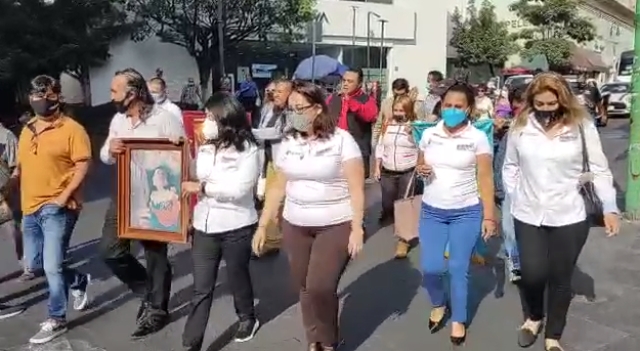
(384, 307)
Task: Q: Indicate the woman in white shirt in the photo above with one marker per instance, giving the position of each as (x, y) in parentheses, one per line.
(484, 105)
(458, 205)
(320, 170)
(542, 171)
(396, 157)
(224, 218)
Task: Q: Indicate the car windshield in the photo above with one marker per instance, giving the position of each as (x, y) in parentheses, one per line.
(616, 88)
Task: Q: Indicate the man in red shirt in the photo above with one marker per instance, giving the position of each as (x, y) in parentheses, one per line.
(355, 111)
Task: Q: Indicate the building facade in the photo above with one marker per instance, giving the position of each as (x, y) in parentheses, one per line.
(412, 43)
(613, 19)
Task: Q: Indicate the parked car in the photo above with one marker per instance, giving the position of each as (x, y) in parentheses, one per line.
(619, 98)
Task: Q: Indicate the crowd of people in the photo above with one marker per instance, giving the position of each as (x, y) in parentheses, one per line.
(295, 177)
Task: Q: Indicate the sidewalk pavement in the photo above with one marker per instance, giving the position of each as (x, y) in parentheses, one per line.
(384, 307)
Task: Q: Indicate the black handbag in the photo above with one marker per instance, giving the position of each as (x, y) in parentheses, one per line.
(592, 203)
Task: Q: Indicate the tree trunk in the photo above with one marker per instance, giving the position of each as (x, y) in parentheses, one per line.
(492, 70)
(204, 71)
(85, 84)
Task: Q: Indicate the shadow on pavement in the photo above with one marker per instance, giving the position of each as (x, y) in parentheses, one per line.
(383, 292)
(487, 278)
(582, 284)
(119, 295)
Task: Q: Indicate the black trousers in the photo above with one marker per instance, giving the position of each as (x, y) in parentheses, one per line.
(548, 257)
(207, 252)
(393, 185)
(153, 283)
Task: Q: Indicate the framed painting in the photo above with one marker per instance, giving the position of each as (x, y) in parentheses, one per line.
(150, 202)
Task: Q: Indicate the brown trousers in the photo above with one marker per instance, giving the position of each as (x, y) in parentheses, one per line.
(318, 257)
(274, 237)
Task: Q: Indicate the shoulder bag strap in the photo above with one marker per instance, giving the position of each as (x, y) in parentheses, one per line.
(411, 189)
(585, 153)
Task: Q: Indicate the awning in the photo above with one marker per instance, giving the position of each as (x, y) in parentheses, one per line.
(586, 60)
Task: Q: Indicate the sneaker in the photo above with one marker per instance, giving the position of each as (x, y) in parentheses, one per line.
(7, 311)
(514, 275)
(246, 330)
(80, 297)
(49, 330)
(27, 275)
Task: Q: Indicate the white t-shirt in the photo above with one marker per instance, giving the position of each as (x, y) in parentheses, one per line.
(173, 109)
(317, 193)
(454, 182)
(484, 106)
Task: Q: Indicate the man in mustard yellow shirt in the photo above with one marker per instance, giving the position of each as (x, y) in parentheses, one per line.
(54, 153)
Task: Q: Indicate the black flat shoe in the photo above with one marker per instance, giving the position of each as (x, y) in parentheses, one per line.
(526, 337)
(435, 326)
(458, 340)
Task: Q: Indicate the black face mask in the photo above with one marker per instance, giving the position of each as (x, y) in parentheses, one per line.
(45, 107)
(400, 118)
(545, 118)
(121, 106)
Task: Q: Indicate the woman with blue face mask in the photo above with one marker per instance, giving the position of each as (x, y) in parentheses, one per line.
(457, 205)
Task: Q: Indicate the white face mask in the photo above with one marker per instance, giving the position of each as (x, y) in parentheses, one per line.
(210, 129)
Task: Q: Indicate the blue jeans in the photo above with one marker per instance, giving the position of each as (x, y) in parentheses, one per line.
(509, 247)
(31, 251)
(461, 229)
(51, 227)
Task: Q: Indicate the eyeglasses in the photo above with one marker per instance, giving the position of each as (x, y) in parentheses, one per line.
(300, 109)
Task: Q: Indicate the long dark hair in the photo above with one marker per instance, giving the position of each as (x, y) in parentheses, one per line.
(234, 127)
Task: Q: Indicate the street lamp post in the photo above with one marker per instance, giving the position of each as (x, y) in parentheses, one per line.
(632, 194)
(219, 19)
(383, 23)
(353, 36)
(369, 14)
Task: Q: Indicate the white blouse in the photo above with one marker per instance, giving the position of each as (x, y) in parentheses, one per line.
(230, 177)
(541, 174)
(317, 193)
(453, 158)
(396, 149)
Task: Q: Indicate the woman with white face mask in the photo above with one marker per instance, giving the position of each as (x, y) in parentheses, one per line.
(224, 218)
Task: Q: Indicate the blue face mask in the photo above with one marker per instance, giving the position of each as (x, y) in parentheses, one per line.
(453, 117)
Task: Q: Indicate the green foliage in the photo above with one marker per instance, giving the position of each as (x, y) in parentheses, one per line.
(193, 24)
(480, 38)
(555, 25)
(68, 35)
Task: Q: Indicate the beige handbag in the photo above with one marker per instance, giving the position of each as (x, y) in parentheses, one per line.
(407, 213)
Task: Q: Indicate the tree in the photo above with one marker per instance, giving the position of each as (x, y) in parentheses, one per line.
(555, 26)
(64, 36)
(480, 38)
(194, 24)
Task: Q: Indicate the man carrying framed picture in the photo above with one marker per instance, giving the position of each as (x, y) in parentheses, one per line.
(137, 117)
